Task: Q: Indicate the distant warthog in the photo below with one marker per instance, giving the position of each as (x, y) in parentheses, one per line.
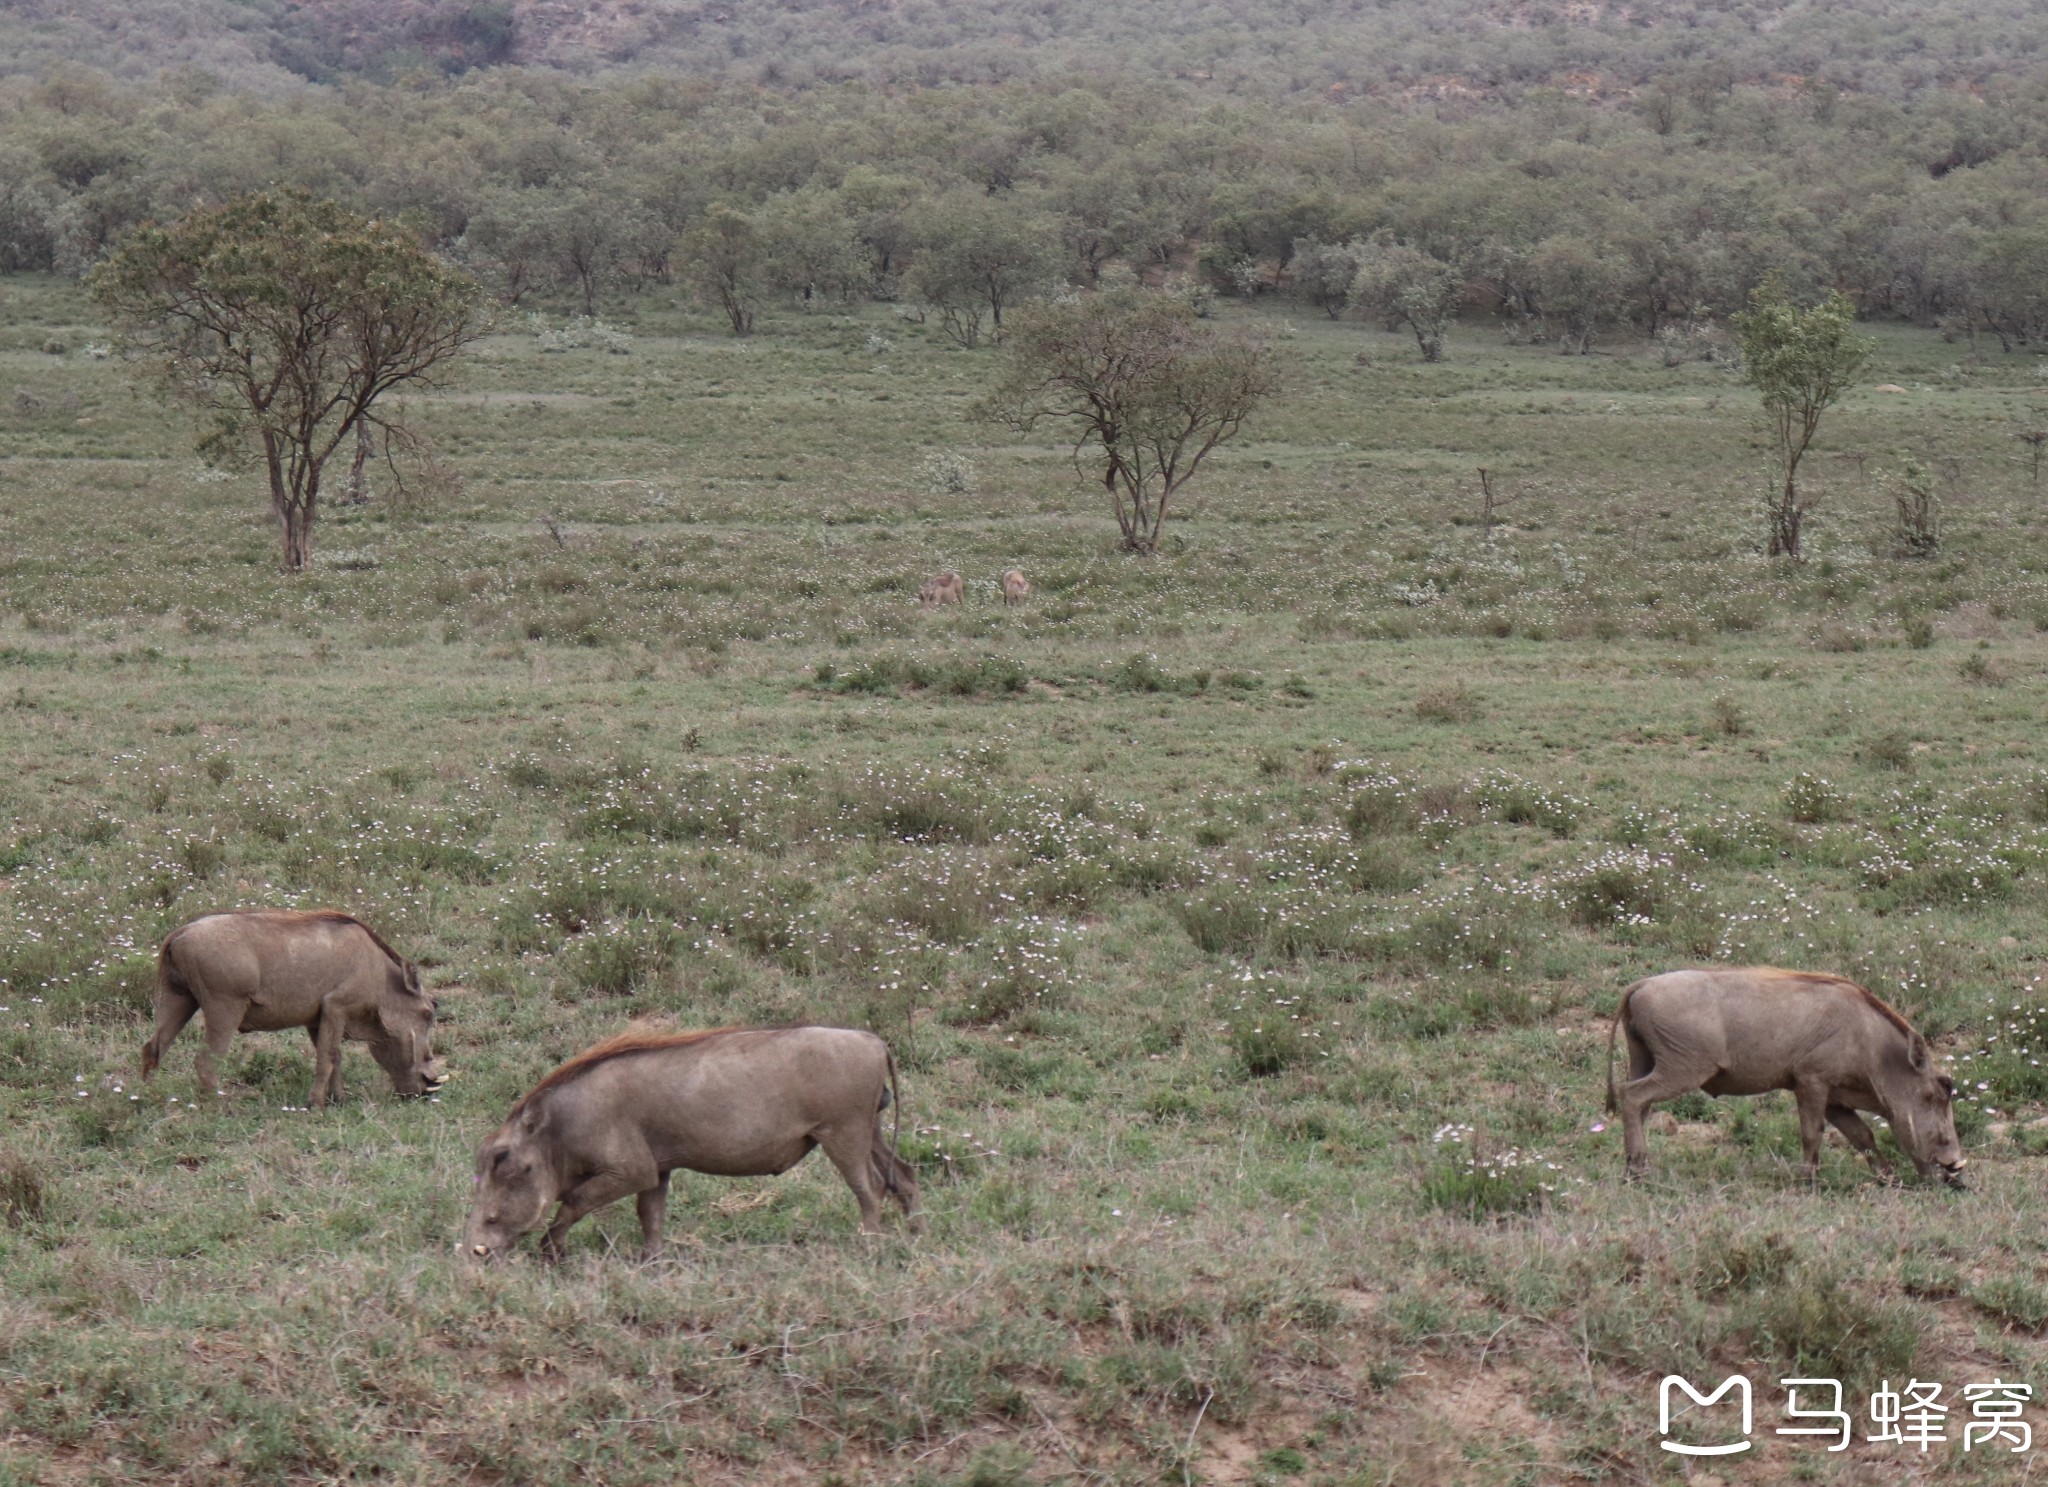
(1016, 588)
(1743, 1031)
(265, 969)
(737, 1102)
(947, 588)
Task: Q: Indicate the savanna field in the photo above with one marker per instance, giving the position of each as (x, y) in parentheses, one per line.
(1246, 921)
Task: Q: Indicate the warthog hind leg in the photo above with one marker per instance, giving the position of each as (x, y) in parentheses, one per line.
(174, 1008)
(894, 1178)
(220, 1036)
(852, 1150)
(1665, 1081)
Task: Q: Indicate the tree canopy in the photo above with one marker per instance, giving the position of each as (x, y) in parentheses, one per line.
(286, 321)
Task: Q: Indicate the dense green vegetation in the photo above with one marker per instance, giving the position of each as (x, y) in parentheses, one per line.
(1247, 918)
(1565, 211)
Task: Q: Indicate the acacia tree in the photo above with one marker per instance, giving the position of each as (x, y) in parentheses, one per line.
(978, 256)
(1146, 389)
(1801, 361)
(287, 319)
(725, 259)
(1400, 285)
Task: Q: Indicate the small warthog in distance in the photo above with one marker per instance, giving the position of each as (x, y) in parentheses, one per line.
(735, 1102)
(946, 588)
(1839, 1049)
(1016, 587)
(259, 970)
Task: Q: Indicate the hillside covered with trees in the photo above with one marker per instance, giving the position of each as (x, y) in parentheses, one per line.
(1568, 211)
(1448, 48)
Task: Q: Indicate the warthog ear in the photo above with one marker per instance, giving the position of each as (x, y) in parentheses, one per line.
(1918, 1055)
(412, 979)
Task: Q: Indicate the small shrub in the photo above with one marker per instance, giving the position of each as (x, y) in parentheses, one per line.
(22, 1193)
(1811, 800)
(1728, 717)
(1466, 1180)
(1470, 936)
(1269, 1042)
(941, 472)
(1919, 631)
(2013, 1302)
(622, 959)
(1520, 803)
(1982, 670)
(1452, 704)
(1625, 887)
(1223, 920)
(1385, 803)
(1743, 1262)
(1917, 511)
(1140, 674)
(1890, 751)
(202, 856)
(1825, 1330)
(1030, 965)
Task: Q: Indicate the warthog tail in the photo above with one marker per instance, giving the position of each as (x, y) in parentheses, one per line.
(166, 989)
(1620, 1012)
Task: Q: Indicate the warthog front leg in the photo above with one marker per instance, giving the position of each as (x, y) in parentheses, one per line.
(1853, 1126)
(586, 1197)
(326, 1034)
(653, 1207)
(1813, 1121)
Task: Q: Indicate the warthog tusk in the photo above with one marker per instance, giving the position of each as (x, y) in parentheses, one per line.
(479, 1250)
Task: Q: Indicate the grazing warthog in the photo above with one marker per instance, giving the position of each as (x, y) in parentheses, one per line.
(1016, 588)
(736, 1102)
(947, 588)
(1743, 1031)
(265, 969)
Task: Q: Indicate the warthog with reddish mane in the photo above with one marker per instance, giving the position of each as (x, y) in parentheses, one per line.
(735, 1102)
(265, 969)
(947, 588)
(1016, 587)
(1743, 1031)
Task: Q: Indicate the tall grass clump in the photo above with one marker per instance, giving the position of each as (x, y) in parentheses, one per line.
(1812, 800)
(1467, 1179)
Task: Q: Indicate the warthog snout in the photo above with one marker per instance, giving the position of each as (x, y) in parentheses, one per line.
(1952, 1172)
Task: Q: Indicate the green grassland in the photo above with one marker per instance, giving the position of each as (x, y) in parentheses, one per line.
(1246, 921)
